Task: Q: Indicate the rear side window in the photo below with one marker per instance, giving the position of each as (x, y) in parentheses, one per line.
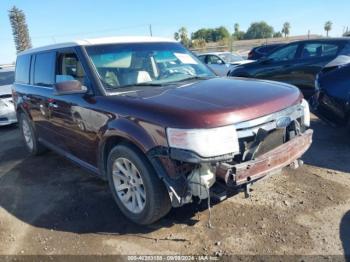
(44, 69)
(22, 69)
(330, 50)
(319, 50)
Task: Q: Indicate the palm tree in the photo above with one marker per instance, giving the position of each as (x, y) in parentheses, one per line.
(183, 33)
(286, 29)
(19, 29)
(328, 26)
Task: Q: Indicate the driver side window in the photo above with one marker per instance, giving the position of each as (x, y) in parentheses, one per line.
(284, 54)
(69, 68)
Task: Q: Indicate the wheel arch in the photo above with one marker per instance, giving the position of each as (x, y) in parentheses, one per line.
(21, 110)
(124, 132)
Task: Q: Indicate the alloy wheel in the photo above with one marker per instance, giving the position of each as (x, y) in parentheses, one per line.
(27, 134)
(129, 185)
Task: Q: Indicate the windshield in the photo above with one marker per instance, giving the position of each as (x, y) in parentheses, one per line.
(7, 78)
(230, 58)
(144, 64)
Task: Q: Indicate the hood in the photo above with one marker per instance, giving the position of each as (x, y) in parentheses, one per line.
(340, 60)
(209, 103)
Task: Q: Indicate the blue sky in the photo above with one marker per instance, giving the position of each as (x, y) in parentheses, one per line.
(64, 20)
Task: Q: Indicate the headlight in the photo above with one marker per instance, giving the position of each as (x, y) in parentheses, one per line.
(306, 115)
(205, 142)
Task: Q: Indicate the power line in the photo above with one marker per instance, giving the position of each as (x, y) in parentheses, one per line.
(92, 32)
(86, 32)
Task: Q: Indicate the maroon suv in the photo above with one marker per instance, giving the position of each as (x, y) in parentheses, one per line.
(149, 117)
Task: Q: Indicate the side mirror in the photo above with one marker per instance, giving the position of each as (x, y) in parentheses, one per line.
(69, 87)
(220, 62)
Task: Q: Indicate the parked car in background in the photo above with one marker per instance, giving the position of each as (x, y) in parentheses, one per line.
(261, 51)
(296, 63)
(7, 109)
(332, 99)
(153, 120)
(222, 62)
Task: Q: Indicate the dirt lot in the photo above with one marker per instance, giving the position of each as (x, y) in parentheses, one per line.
(50, 206)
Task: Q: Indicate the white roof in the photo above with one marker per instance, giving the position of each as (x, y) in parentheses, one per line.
(99, 41)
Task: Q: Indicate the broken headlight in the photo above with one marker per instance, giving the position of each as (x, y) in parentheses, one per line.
(205, 142)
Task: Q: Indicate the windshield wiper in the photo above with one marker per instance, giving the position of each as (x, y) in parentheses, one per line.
(141, 84)
(194, 78)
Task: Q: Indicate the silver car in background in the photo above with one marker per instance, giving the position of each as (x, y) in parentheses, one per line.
(7, 109)
(222, 62)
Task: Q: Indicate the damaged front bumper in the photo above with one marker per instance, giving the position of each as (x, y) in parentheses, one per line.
(270, 162)
(175, 167)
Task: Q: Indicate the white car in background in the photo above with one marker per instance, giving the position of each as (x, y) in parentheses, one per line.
(222, 62)
(7, 109)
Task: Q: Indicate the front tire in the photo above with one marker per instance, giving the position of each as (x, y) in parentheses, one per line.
(29, 135)
(136, 188)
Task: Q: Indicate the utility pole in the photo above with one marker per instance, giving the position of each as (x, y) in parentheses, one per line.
(150, 30)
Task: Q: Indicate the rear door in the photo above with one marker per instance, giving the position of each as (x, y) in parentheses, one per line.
(42, 81)
(313, 57)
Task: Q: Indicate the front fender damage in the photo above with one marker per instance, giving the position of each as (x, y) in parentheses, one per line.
(187, 179)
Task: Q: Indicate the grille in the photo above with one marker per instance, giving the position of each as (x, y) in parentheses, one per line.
(258, 136)
(250, 128)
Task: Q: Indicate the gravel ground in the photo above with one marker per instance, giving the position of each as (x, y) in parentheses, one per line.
(50, 206)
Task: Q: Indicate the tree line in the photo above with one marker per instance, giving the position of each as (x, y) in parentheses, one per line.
(257, 30)
(199, 38)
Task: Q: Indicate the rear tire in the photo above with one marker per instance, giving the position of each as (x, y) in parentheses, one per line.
(29, 136)
(135, 186)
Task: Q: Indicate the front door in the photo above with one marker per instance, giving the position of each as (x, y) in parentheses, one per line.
(75, 113)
